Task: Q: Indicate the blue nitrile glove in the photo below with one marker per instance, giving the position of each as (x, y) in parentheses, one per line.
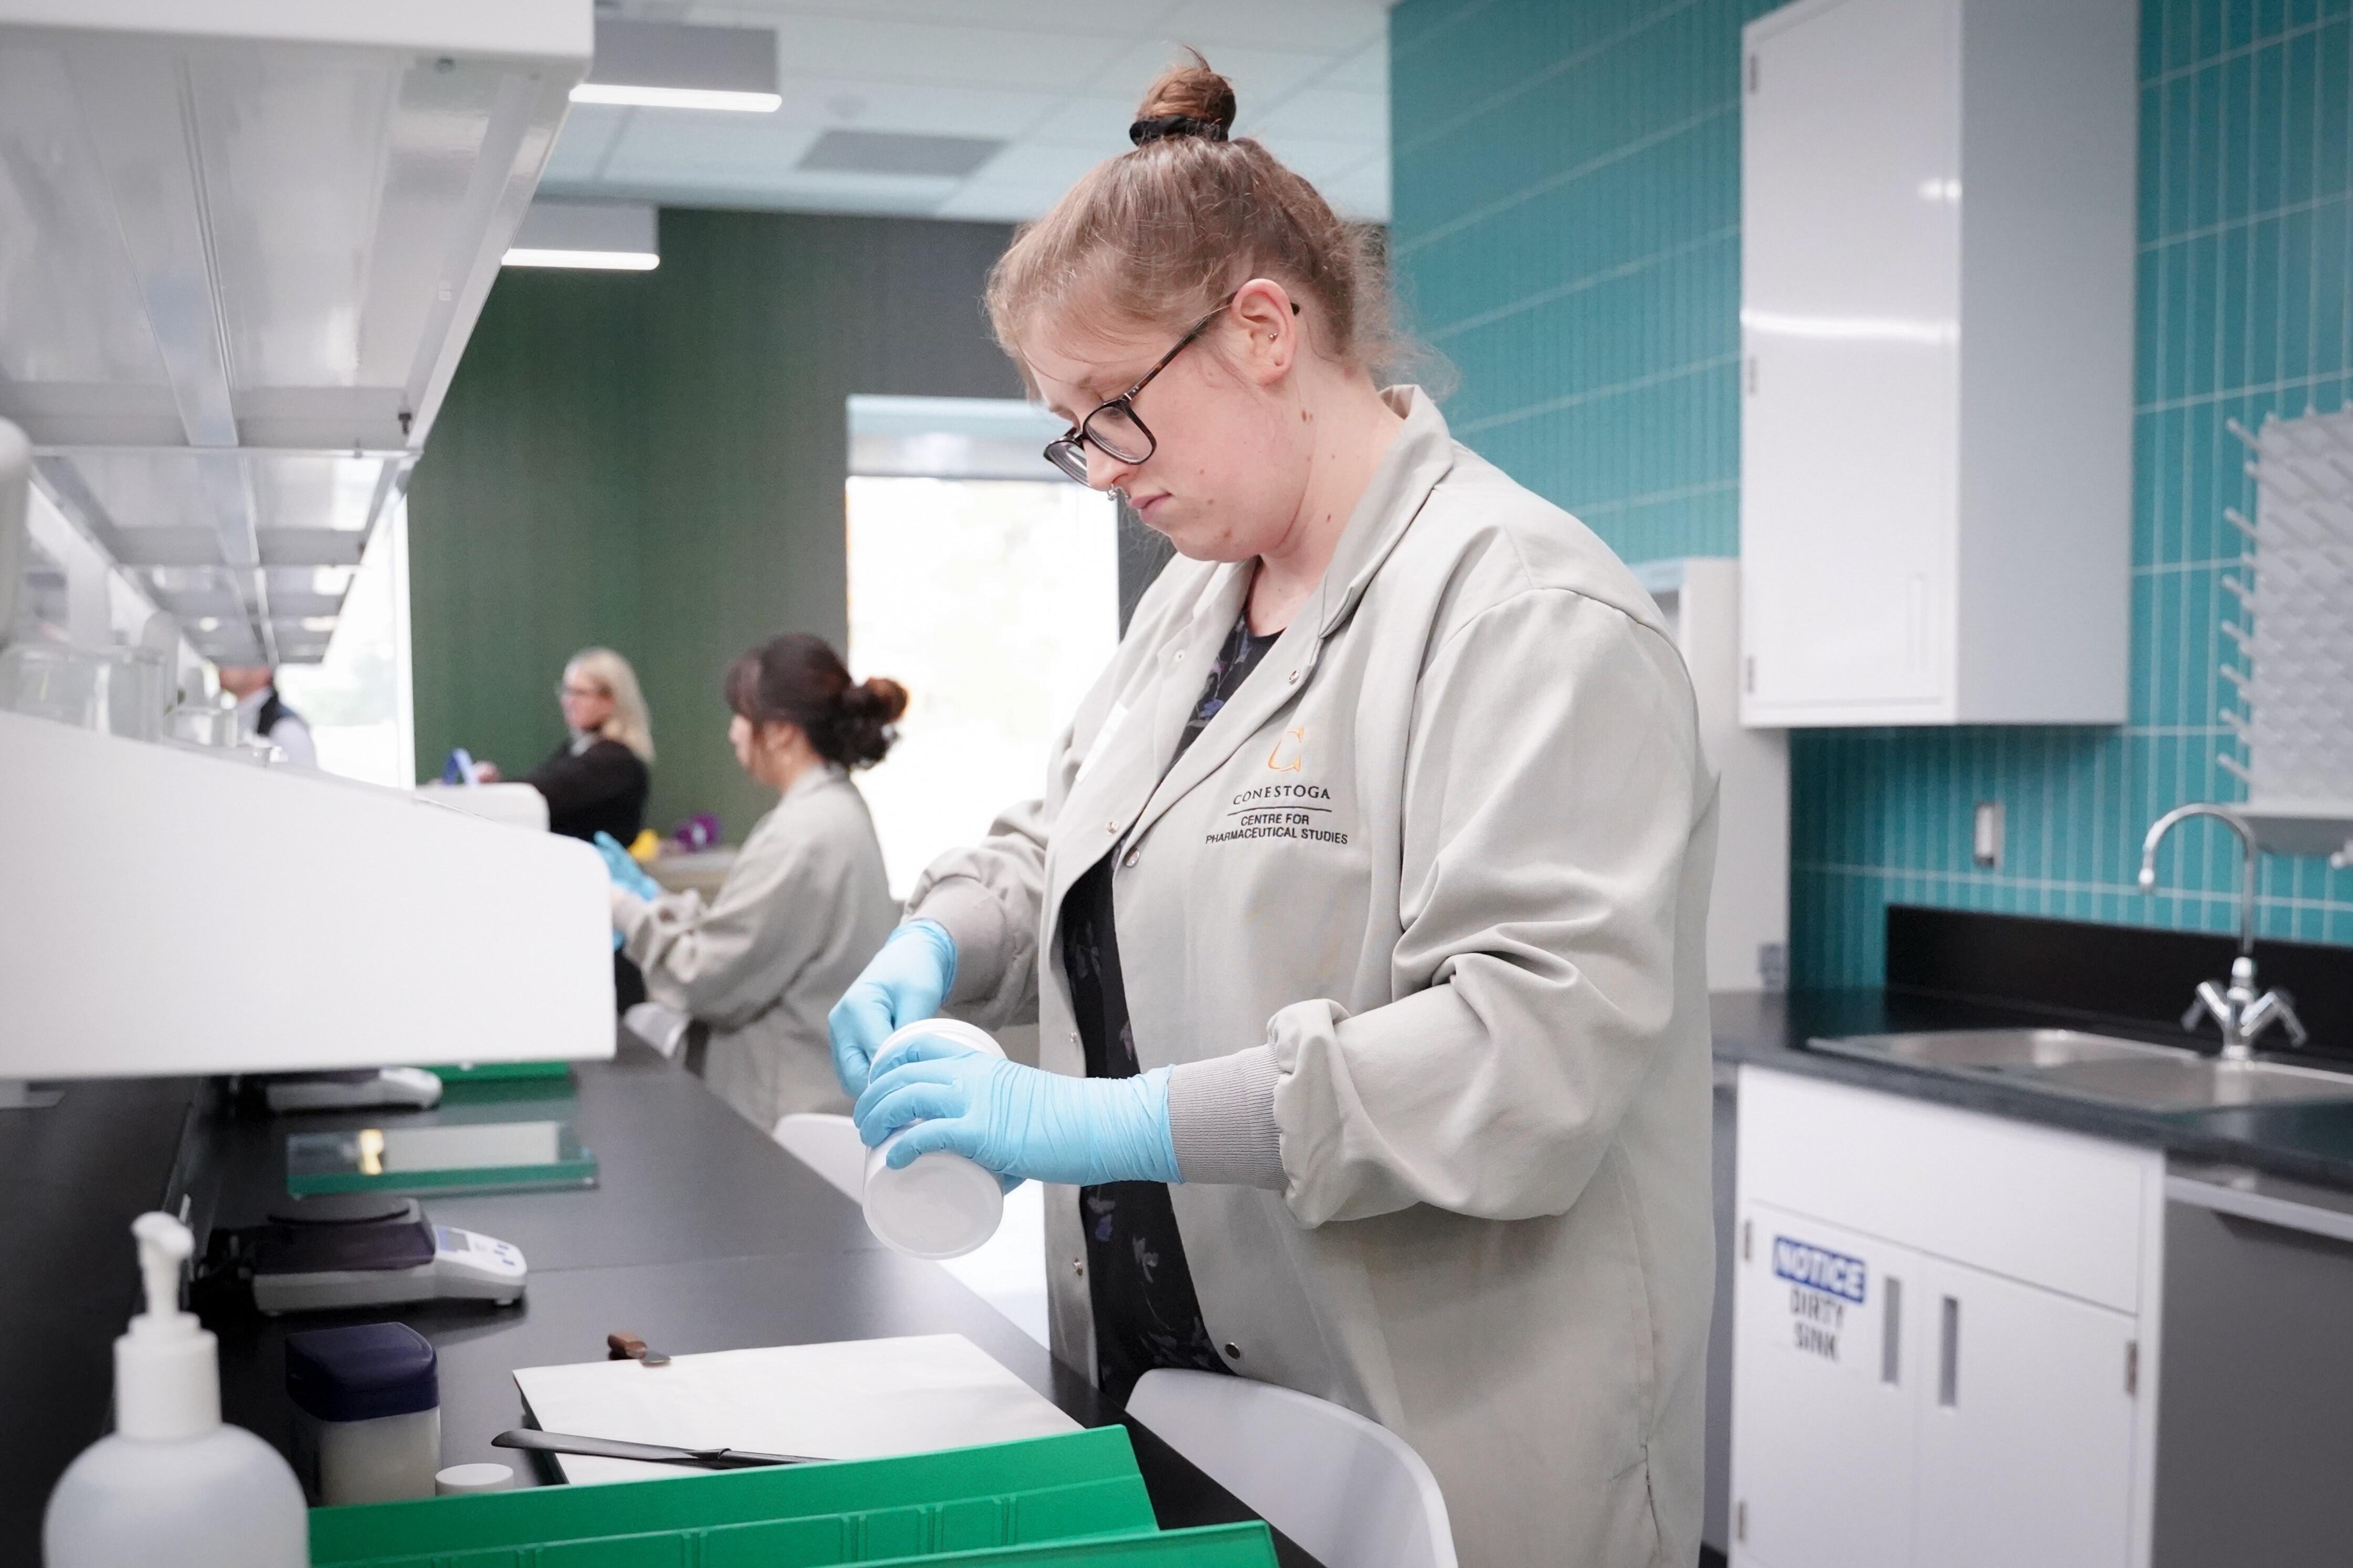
(903, 984)
(1015, 1120)
(623, 867)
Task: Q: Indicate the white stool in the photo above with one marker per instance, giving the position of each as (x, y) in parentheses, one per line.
(1351, 1493)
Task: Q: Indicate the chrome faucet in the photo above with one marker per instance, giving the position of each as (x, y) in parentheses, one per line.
(2242, 1012)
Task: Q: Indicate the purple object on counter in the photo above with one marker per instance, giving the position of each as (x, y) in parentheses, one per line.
(699, 831)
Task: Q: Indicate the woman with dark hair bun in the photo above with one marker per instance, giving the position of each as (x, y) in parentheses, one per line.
(806, 903)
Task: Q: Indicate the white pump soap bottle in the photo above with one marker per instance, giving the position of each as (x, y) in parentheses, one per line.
(173, 1484)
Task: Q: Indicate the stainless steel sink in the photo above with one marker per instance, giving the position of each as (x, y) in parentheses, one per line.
(2201, 1083)
(2165, 1079)
(1996, 1050)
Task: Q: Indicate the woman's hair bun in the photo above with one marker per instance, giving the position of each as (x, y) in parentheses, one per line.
(798, 678)
(877, 697)
(1188, 98)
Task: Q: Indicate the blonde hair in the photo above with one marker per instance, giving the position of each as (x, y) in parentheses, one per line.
(628, 723)
(1158, 235)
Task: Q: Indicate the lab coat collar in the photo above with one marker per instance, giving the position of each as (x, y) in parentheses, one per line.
(1408, 470)
(821, 776)
(1415, 462)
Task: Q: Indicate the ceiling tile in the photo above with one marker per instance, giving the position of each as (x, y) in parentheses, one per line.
(1058, 80)
(847, 150)
(1106, 16)
(1262, 78)
(1366, 70)
(1326, 26)
(795, 190)
(934, 109)
(1329, 114)
(1031, 163)
(660, 144)
(924, 51)
(1364, 195)
(1088, 122)
(587, 135)
(1318, 160)
(980, 199)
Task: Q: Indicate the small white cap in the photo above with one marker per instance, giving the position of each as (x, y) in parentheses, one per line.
(166, 1368)
(461, 1478)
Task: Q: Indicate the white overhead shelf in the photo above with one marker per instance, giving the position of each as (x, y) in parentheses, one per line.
(241, 248)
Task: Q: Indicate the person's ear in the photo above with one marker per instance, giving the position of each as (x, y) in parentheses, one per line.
(1268, 314)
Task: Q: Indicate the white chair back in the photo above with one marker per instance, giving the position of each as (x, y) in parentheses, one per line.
(829, 1145)
(1351, 1493)
(656, 1025)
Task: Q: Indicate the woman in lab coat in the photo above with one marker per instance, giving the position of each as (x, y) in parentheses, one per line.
(806, 903)
(1363, 914)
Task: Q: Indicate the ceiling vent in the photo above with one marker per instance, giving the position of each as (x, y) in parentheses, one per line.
(899, 153)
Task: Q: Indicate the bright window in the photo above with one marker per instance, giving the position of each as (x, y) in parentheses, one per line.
(356, 700)
(995, 602)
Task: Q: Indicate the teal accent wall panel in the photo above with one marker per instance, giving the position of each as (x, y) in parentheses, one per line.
(1567, 200)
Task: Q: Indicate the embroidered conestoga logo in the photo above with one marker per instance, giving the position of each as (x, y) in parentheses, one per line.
(1289, 753)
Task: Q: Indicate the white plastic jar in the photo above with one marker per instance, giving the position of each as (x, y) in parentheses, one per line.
(941, 1205)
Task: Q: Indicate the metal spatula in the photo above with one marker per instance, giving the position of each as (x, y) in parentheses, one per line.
(652, 1453)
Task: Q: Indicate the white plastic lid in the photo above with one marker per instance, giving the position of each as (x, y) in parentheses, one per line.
(941, 1205)
(461, 1478)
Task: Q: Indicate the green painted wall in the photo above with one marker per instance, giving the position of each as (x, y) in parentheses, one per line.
(523, 515)
(657, 460)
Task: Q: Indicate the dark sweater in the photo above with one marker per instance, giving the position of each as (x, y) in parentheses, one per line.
(601, 790)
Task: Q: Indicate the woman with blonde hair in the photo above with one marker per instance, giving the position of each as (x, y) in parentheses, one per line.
(1364, 912)
(597, 780)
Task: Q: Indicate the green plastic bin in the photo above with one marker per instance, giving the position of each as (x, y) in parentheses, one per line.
(1044, 1490)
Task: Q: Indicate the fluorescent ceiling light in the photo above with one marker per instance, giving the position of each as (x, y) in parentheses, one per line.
(606, 236)
(678, 97)
(590, 260)
(671, 65)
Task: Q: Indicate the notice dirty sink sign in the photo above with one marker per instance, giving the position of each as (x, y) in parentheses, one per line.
(1822, 1284)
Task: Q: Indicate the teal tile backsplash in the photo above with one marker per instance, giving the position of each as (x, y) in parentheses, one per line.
(1566, 231)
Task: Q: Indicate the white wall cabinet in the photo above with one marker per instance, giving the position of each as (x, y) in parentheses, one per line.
(1938, 1318)
(1936, 287)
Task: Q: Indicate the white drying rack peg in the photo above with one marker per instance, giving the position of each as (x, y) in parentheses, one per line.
(2232, 766)
(2235, 428)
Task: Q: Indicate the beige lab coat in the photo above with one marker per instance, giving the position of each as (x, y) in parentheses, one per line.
(1439, 872)
(803, 907)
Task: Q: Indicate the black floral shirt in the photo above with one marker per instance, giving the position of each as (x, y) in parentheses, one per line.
(1141, 1291)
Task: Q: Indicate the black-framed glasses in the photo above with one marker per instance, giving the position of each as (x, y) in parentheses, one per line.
(1115, 426)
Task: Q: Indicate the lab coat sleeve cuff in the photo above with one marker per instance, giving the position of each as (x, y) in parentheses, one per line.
(1222, 1120)
(631, 914)
(984, 938)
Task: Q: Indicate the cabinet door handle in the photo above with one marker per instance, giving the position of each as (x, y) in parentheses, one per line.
(1891, 1331)
(1949, 1356)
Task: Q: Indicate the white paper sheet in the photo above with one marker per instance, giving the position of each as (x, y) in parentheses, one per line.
(853, 1400)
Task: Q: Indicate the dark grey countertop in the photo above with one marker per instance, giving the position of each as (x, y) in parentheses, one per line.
(2304, 1142)
(701, 1235)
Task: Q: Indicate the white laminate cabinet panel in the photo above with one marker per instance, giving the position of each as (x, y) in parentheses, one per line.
(2030, 1464)
(1936, 278)
(1824, 1453)
(1850, 143)
(2048, 1209)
